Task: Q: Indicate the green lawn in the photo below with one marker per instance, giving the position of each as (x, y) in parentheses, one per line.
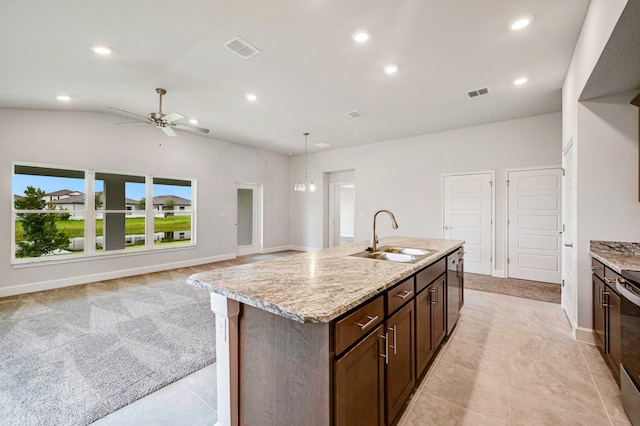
(133, 226)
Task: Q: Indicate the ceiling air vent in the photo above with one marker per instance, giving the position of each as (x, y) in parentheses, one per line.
(355, 114)
(478, 92)
(241, 48)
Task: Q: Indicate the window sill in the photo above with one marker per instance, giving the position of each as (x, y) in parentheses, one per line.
(97, 256)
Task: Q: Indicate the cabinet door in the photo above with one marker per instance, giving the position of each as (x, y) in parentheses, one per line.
(359, 383)
(612, 300)
(438, 311)
(400, 366)
(424, 349)
(598, 313)
(461, 282)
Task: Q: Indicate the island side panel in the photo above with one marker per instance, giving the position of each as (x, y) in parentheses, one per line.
(285, 370)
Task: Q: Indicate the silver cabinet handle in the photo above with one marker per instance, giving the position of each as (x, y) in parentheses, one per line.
(434, 294)
(568, 244)
(608, 281)
(600, 296)
(368, 323)
(385, 355)
(605, 304)
(394, 346)
(404, 294)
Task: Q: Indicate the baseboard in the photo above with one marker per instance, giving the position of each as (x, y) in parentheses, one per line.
(498, 273)
(86, 279)
(582, 334)
(275, 249)
(300, 248)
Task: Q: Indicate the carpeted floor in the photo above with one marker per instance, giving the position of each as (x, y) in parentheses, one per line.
(73, 355)
(514, 287)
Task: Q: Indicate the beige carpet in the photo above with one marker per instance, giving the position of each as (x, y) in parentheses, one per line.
(514, 287)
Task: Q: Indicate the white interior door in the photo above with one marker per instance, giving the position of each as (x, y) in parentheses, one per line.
(468, 210)
(569, 290)
(248, 218)
(334, 214)
(533, 227)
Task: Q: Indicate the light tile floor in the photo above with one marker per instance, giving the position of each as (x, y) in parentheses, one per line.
(510, 361)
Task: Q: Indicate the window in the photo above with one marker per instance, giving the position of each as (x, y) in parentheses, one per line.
(63, 213)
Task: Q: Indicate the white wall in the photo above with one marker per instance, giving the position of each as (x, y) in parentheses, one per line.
(405, 176)
(605, 140)
(347, 210)
(91, 140)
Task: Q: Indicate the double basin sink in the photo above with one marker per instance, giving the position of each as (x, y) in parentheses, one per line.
(395, 254)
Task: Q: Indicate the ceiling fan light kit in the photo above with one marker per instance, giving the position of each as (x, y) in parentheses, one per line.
(164, 122)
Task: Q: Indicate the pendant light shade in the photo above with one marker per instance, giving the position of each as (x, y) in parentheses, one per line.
(305, 185)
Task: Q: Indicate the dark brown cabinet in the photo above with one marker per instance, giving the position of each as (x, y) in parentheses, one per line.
(400, 375)
(382, 347)
(430, 322)
(359, 383)
(455, 287)
(606, 315)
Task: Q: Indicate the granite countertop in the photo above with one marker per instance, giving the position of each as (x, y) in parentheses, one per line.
(321, 285)
(618, 256)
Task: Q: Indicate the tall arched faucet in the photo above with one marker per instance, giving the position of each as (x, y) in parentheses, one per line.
(374, 239)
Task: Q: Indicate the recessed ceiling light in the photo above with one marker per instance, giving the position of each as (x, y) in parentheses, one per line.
(193, 121)
(251, 97)
(102, 50)
(322, 145)
(391, 69)
(520, 81)
(361, 36)
(520, 23)
(63, 98)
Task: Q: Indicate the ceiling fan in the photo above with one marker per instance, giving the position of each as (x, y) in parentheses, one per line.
(164, 122)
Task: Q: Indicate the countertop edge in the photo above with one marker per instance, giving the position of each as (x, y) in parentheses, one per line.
(606, 262)
(301, 318)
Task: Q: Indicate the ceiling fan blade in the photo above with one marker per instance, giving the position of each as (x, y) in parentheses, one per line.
(168, 130)
(131, 113)
(192, 128)
(172, 116)
(135, 122)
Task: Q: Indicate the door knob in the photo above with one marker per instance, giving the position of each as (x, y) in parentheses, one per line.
(568, 244)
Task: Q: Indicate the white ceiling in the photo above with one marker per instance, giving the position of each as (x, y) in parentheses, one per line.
(309, 73)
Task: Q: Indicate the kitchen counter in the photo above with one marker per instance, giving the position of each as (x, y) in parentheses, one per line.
(319, 286)
(618, 256)
(275, 329)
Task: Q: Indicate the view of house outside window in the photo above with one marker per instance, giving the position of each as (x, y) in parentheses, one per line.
(52, 204)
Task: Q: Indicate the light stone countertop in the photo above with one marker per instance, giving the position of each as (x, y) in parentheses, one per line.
(618, 256)
(321, 285)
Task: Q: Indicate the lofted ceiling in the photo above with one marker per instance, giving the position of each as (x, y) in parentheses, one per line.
(309, 72)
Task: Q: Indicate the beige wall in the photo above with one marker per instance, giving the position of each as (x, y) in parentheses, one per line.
(405, 176)
(91, 140)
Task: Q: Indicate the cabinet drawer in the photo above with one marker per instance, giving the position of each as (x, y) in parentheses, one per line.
(597, 268)
(358, 323)
(427, 275)
(610, 278)
(399, 295)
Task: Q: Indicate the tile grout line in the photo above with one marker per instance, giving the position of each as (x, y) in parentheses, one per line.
(593, 380)
(197, 396)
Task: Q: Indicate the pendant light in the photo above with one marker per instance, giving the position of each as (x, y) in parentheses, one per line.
(304, 185)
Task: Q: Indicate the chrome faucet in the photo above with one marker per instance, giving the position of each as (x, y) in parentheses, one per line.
(374, 240)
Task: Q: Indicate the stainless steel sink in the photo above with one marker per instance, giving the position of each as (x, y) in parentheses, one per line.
(395, 254)
(405, 250)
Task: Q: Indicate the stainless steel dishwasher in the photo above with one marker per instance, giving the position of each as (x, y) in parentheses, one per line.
(455, 287)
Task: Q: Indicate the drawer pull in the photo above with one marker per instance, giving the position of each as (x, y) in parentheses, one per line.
(608, 281)
(434, 296)
(368, 323)
(404, 294)
(385, 355)
(394, 339)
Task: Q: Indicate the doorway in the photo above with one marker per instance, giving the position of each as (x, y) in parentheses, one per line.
(340, 205)
(468, 208)
(248, 218)
(533, 225)
(569, 290)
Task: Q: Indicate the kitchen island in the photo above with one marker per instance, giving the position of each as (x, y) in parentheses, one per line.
(286, 327)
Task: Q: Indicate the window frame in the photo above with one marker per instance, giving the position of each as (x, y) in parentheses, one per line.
(90, 214)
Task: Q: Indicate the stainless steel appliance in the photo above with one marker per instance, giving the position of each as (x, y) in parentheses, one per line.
(629, 290)
(455, 287)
